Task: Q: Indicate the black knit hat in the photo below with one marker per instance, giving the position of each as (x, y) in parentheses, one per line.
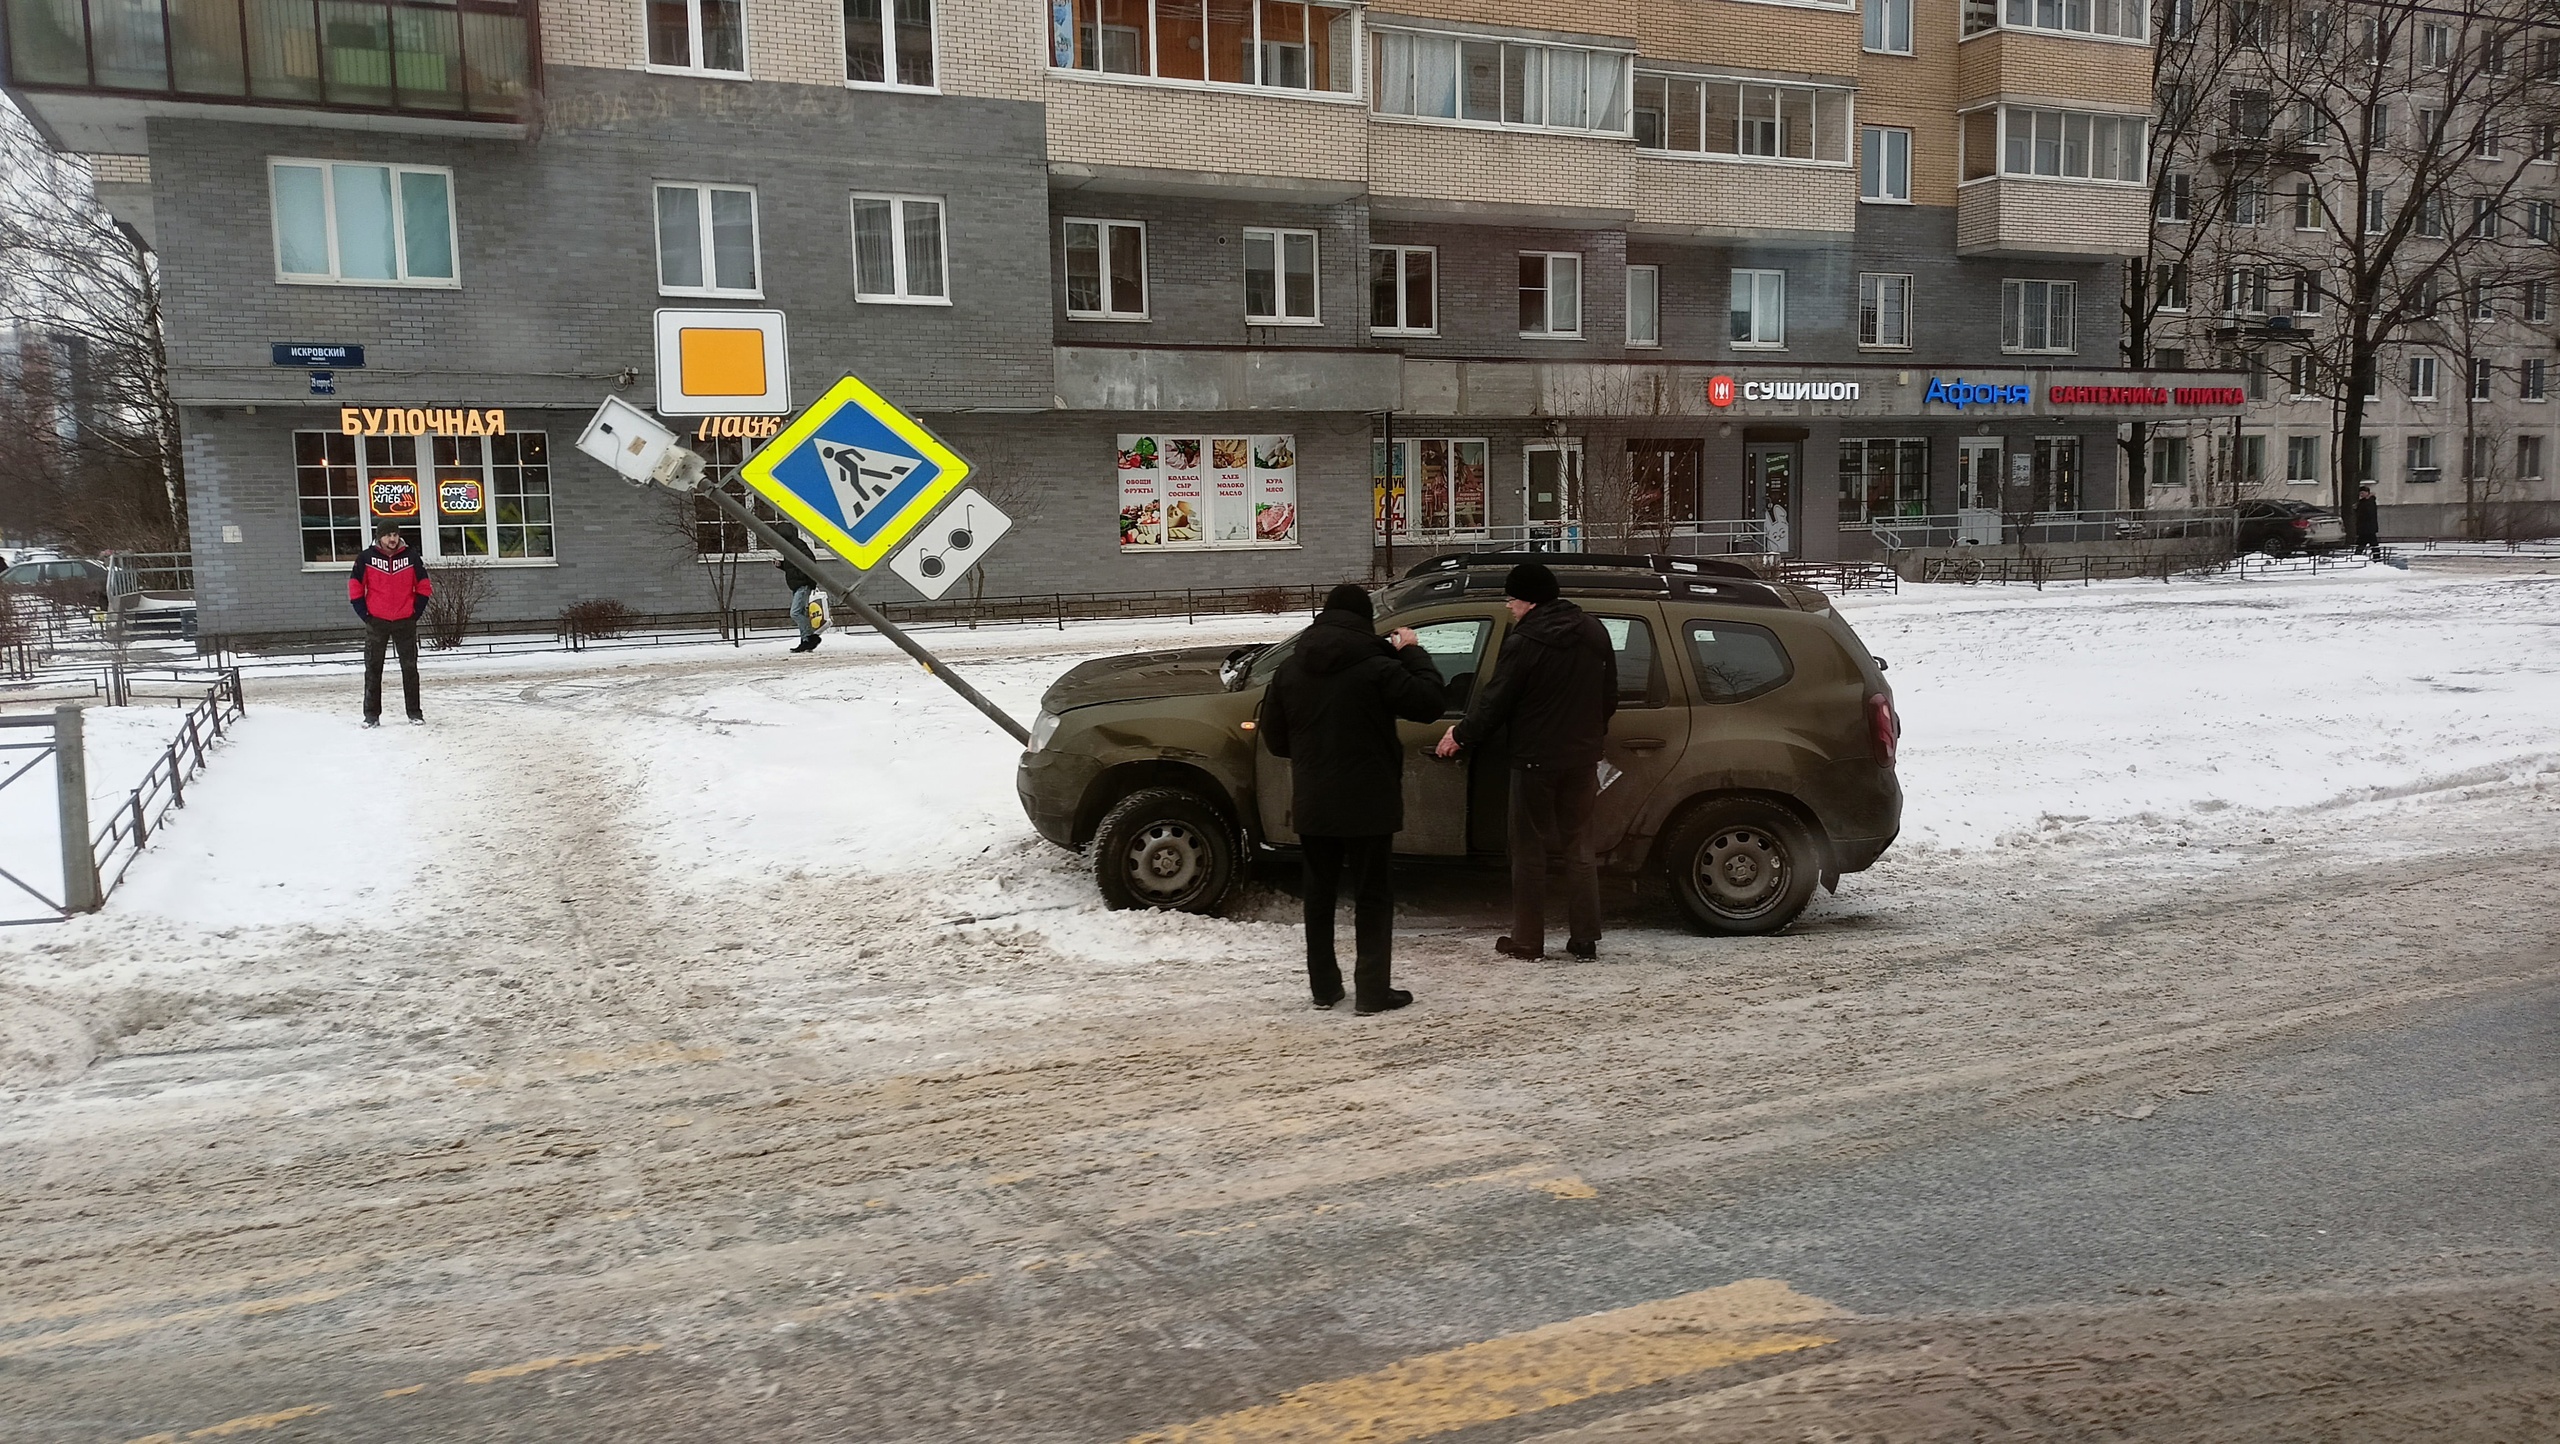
(1531, 583)
(1348, 597)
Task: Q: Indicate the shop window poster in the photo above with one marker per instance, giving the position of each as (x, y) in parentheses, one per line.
(1189, 493)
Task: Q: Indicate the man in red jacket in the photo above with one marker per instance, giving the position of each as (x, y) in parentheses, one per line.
(388, 589)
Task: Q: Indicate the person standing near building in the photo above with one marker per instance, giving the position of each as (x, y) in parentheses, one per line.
(388, 588)
(803, 588)
(2368, 522)
(1332, 712)
(1555, 688)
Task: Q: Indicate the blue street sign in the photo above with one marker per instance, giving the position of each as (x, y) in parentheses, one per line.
(317, 353)
(855, 472)
(324, 383)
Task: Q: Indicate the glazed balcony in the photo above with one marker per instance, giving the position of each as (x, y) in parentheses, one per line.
(92, 68)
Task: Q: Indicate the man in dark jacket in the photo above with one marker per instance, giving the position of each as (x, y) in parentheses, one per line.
(2368, 522)
(802, 589)
(1332, 712)
(388, 588)
(1555, 687)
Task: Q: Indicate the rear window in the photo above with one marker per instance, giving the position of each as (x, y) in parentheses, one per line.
(1737, 661)
(1632, 640)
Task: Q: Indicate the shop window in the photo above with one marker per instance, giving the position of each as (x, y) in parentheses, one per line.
(481, 498)
(1882, 477)
(2057, 473)
(1280, 278)
(701, 35)
(1551, 294)
(1198, 492)
(898, 254)
(1266, 44)
(715, 532)
(1662, 483)
(1436, 487)
(362, 225)
(1475, 80)
(1106, 270)
(1404, 290)
(1759, 309)
(889, 43)
(707, 241)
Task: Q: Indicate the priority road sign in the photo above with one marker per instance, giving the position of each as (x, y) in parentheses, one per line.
(855, 472)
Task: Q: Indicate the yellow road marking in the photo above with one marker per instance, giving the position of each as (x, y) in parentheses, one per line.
(926, 1291)
(248, 1423)
(1540, 1176)
(567, 1361)
(404, 1393)
(1523, 1373)
(192, 1289)
(124, 1328)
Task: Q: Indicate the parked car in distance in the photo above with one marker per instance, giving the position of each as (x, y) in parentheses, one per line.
(1753, 747)
(86, 585)
(67, 580)
(2283, 528)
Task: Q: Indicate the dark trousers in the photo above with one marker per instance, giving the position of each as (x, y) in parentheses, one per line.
(1373, 913)
(377, 636)
(1551, 818)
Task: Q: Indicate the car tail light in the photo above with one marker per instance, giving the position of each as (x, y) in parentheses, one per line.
(1883, 727)
(2302, 523)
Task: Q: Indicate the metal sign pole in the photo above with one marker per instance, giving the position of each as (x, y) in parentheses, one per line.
(741, 513)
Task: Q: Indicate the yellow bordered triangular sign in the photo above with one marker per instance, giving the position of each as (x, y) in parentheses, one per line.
(855, 472)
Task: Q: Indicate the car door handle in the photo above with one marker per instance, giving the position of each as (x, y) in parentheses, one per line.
(1643, 744)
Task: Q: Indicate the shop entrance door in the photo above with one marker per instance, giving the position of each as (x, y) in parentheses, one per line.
(1978, 491)
(1552, 499)
(1769, 495)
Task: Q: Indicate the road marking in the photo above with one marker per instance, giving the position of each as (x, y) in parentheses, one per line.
(125, 1328)
(1523, 1373)
(404, 1393)
(268, 1276)
(245, 1424)
(566, 1361)
(1541, 1176)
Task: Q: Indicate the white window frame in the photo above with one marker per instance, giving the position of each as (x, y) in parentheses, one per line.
(1279, 237)
(2529, 471)
(2302, 377)
(2174, 285)
(1768, 338)
(702, 237)
(2417, 448)
(2535, 303)
(2173, 203)
(2484, 379)
(1652, 277)
(1382, 88)
(2052, 17)
(1727, 147)
(427, 524)
(1103, 227)
(1547, 289)
(1879, 23)
(2424, 377)
(2011, 114)
(2069, 302)
(1358, 45)
(898, 204)
(2295, 448)
(889, 52)
(1874, 282)
(693, 32)
(1402, 328)
(1407, 455)
(2533, 379)
(399, 227)
(2307, 199)
(2309, 287)
(1878, 142)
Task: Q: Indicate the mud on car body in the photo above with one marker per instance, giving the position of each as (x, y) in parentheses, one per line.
(1753, 744)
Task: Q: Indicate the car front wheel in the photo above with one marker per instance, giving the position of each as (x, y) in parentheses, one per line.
(1742, 867)
(1163, 847)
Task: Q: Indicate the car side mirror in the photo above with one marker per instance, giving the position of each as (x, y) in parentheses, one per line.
(1882, 664)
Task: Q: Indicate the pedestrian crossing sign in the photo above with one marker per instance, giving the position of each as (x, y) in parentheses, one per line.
(855, 472)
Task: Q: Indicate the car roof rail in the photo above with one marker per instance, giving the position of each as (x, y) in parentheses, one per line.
(1568, 561)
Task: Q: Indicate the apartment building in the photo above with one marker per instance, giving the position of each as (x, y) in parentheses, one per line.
(1214, 292)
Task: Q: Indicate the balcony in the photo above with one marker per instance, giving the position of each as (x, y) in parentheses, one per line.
(2019, 216)
(93, 70)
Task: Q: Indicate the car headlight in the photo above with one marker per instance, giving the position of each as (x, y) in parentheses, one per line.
(1043, 727)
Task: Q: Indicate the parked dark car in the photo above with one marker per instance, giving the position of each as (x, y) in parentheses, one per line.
(70, 582)
(2287, 528)
(1750, 760)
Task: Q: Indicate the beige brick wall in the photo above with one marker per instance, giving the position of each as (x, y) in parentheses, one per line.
(2052, 218)
(1752, 36)
(2009, 62)
(604, 34)
(126, 170)
(1103, 123)
(1446, 162)
(1596, 17)
(1722, 197)
(1917, 91)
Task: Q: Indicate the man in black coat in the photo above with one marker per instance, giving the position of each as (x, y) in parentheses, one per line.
(2368, 522)
(1555, 688)
(802, 588)
(1332, 712)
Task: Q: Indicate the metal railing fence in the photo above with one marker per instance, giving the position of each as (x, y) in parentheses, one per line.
(164, 784)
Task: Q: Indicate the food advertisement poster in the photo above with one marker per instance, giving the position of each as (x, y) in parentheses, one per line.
(1189, 493)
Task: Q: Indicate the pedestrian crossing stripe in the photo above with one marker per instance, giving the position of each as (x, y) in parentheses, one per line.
(855, 472)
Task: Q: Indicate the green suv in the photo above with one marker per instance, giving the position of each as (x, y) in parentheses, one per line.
(1750, 759)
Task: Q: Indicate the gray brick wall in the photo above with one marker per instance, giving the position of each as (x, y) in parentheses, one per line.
(1195, 272)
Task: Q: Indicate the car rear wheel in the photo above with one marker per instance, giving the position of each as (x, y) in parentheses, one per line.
(1163, 847)
(1742, 867)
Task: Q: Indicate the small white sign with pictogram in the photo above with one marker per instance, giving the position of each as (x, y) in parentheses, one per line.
(950, 544)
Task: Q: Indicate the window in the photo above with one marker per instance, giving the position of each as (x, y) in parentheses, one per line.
(2485, 220)
(1438, 486)
(1884, 311)
(1279, 277)
(2244, 291)
(1736, 662)
(1644, 305)
(2169, 285)
(1883, 477)
(2368, 378)
(880, 35)
(2546, 59)
(2546, 143)
(2537, 221)
(2537, 300)
(1479, 81)
(2422, 378)
(897, 250)
(2169, 461)
(2421, 455)
(1889, 26)
(2124, 19)
(2169, 358)
(2430, 298)
(489, 497)
(2368, 457)
(706, 35)
(1550, 293)
(2315, 34)
(2431, 219)
(2377, 125)
(706, 241)
(715, 533)
(2071, 144)
(2302, 459)
(1702, 115)
(2176, 198)
(2311, 123)
(2253, 114)
(1884, 164)
(2479, 456)
(1196, 492)
(2485, 144)
(1106, 270)
(2302, 376)
(2307, 291)
(2430, 127)
(2057, 473)
(2248, 22)
(2480, 378)
(2377, 212)
(362, 225)
(1759, 308)
(2248, 203)
(1273, 44)
(1664, 477)
(2484, 302)
(2036, 316)
(2530, 378)
(2435, 46)
(2308, 215)
(1404, 290)
(2528, 458)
